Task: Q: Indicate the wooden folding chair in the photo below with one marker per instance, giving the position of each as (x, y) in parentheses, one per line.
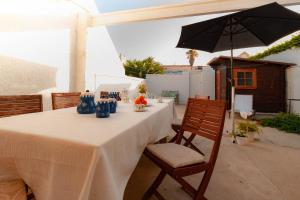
(65, 100)
(201, 97)
(203, 118)
(176, 128)
(20, 104)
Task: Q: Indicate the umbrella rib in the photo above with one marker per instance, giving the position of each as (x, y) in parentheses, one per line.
(275, 18)
(196, 34)
(220, 35)
(254, 34)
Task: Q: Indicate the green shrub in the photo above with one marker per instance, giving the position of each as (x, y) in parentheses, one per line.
(139, 68)
(286, 122)
(294, 42)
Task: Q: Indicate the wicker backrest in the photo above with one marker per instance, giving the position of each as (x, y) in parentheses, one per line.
(65, 100)
(20, 104)
(204, 118)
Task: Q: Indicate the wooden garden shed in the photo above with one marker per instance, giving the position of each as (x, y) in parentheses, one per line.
(264, 80)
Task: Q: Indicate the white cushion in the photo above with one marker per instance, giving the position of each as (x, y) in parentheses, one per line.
(12, 190)
(175, 155)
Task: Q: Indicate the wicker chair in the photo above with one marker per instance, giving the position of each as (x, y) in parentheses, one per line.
(16, 105)
(20, 104)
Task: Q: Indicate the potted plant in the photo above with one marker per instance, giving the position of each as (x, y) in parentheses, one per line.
(245, 132)
(241, 138)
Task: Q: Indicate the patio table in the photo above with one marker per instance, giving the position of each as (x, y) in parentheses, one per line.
(66, 156)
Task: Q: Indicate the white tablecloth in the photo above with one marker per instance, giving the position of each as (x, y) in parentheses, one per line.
(62, 155)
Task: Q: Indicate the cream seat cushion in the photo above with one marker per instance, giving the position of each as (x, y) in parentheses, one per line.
(175, 155)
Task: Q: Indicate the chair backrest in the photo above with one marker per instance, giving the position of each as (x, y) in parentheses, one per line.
(65, 100)
(205, 118)
(104, 94)
(20, 104)
(201, 97)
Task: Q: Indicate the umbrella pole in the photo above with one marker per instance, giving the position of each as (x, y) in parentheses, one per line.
(232, 92)
(232, 79)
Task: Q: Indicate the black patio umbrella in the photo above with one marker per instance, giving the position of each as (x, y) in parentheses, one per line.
(260, 26)
(254, 27)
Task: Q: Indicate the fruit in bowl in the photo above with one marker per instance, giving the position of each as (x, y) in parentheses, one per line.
(140, 103)
(140, 100)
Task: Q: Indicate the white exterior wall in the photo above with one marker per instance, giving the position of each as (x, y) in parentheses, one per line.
(202, 82)
(188, 84)
(292, 75)
(117, 84)
(156, 83)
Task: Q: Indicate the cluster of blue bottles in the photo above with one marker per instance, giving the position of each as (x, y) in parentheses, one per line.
(103, 108)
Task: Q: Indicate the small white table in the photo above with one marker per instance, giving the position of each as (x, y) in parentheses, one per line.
(63, 155)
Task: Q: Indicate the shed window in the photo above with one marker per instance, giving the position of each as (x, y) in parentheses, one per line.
(245, 78)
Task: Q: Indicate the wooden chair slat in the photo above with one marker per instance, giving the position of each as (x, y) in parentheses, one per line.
(201, 97)
(104, 94)
(65, 100)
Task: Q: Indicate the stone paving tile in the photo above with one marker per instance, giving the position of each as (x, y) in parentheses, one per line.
(265, 170)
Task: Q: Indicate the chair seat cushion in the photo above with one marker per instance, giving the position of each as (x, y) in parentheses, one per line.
(175, 155)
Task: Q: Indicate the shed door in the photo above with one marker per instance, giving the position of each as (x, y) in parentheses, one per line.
(218, 84)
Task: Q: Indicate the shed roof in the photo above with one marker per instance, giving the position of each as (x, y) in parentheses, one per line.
(218, 60)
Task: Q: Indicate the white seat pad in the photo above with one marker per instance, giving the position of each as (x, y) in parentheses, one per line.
(175, 155)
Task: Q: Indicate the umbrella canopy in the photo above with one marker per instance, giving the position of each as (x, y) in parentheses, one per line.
(254, 27)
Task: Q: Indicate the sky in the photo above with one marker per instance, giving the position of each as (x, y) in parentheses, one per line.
(159, 38)
(116, 5)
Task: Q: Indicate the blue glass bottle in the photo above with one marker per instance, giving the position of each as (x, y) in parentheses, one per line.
(87, 103)
(113, 105)
(103, 108)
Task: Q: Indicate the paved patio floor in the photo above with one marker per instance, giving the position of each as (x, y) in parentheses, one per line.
(268, 169)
